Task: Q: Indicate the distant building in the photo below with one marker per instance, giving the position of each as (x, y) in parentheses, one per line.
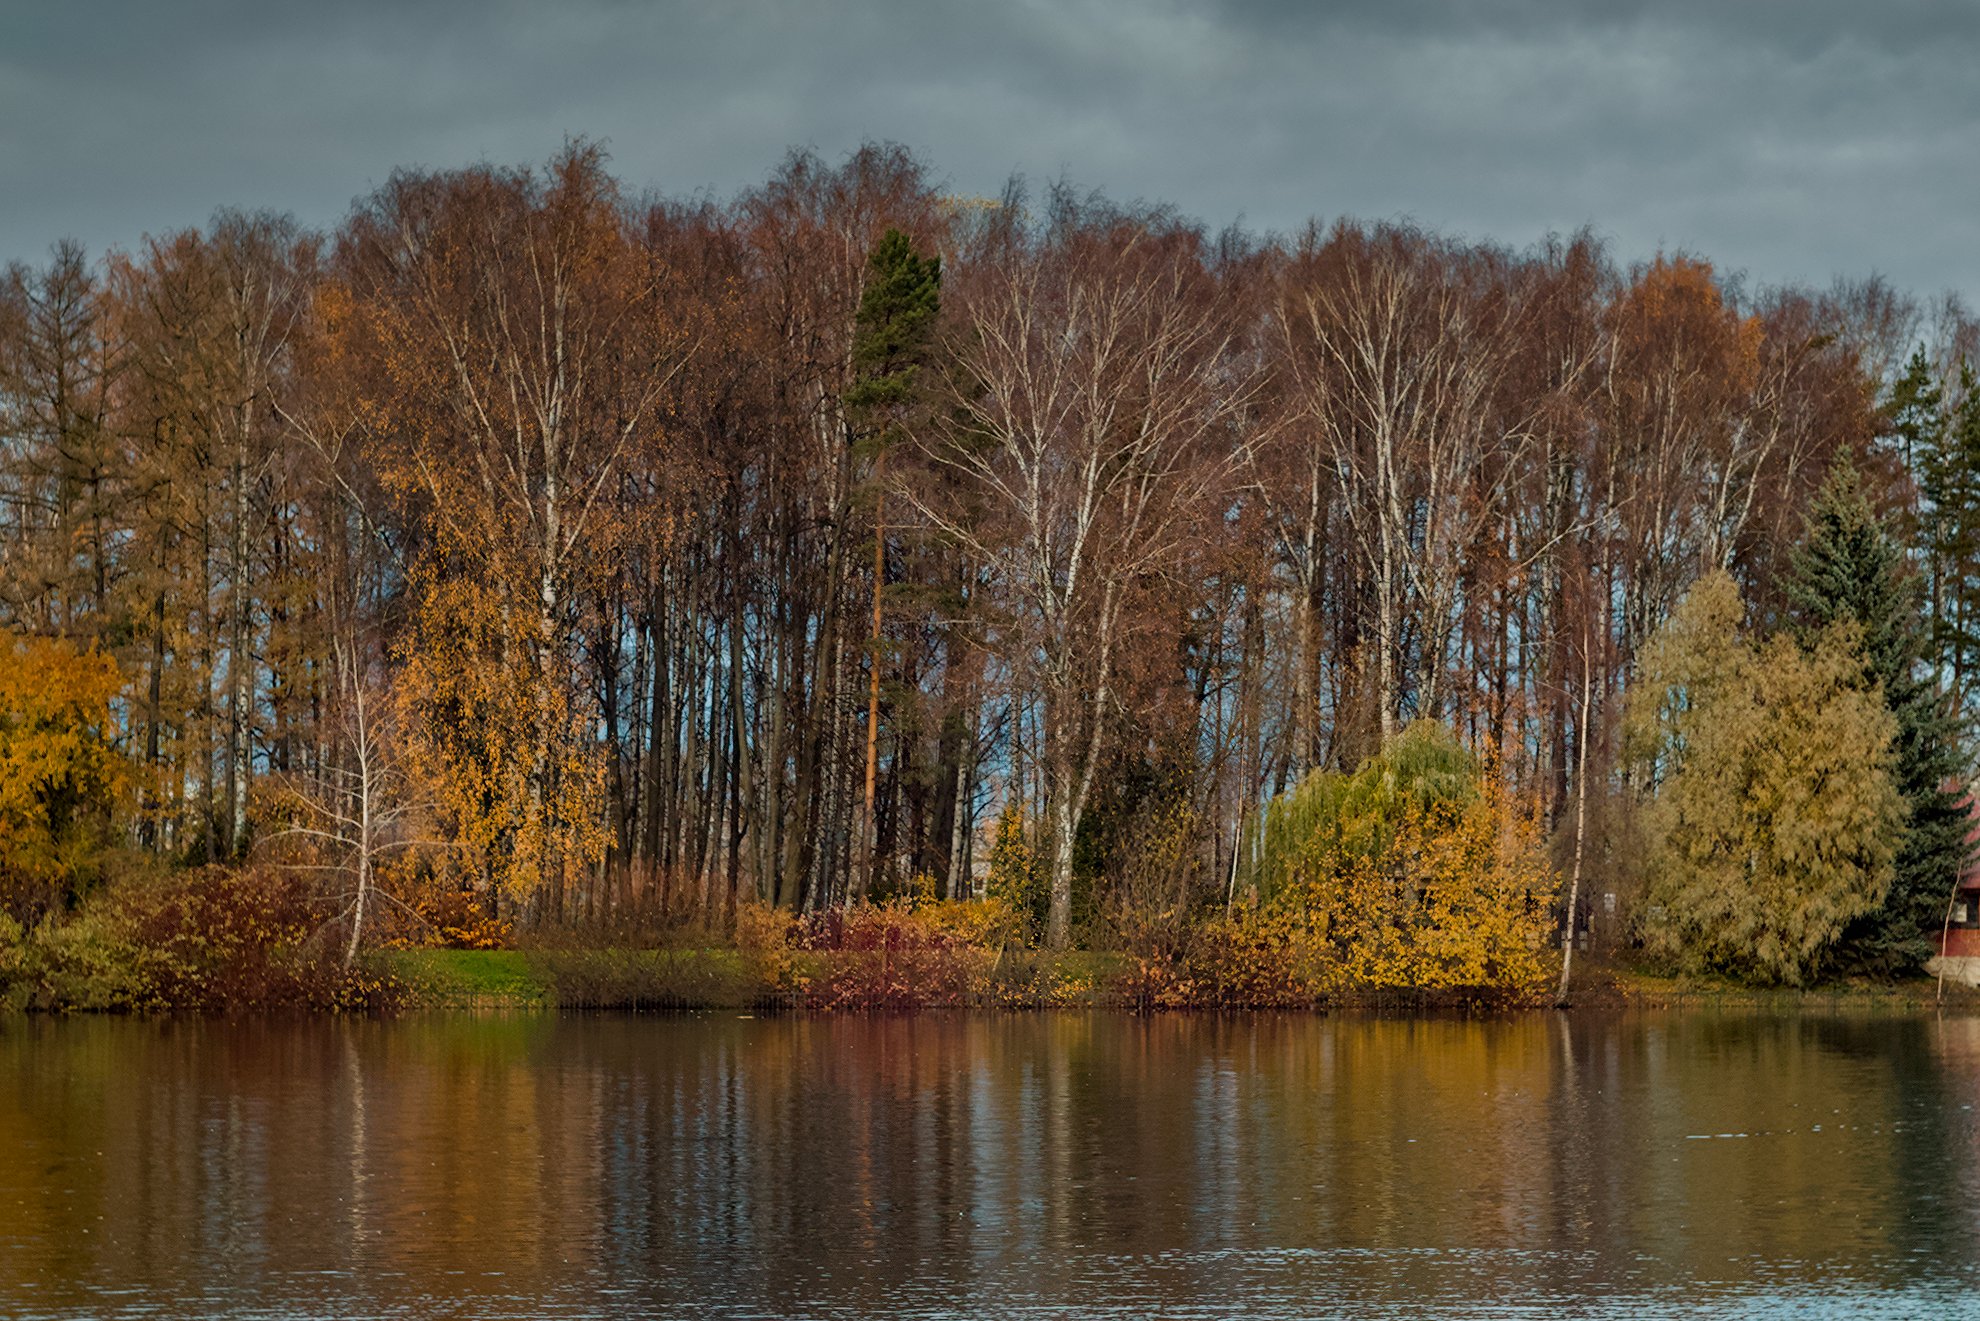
(1958, 941)
(1961, 937)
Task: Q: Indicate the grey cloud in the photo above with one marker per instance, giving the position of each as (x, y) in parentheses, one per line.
(1792, 142)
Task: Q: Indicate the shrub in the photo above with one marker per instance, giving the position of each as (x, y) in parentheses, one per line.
(887, 957)
(1017, 876)
(1356, 815)
(1424, 870)
(442, 909)
(765, 936)
(1460, 896)
(205, 940)
(897, 956)
(647, 978)
(1267, 959)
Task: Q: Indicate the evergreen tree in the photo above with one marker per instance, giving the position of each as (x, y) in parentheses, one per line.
(892, 330)
(1915, 427)
(892, 334)
(1915, 416)
(1850, 568)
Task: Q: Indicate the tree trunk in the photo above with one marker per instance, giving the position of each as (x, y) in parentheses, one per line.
(868, 841)
(1580, 826)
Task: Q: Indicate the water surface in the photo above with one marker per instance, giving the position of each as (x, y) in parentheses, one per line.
(1023, 1166)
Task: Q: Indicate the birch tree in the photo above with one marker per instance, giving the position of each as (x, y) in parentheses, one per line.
(1397, 345)
(1094, 433)
(523, 343)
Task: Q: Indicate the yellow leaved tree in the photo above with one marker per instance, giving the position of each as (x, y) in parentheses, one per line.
(60, 777)
(1771, 805)
(1423, 869)
(515, 776)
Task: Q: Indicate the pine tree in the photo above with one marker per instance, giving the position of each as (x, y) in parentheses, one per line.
(892, 332)
(892, 329)
(1915, 422)
(1850, 568)
(1915, 416)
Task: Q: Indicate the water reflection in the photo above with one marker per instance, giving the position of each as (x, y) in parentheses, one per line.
(1025, 1165)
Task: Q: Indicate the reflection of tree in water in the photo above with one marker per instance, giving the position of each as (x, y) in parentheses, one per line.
(1166, 1163)
(1939, 1154)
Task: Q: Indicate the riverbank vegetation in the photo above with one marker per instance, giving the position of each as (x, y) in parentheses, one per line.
(859, 596)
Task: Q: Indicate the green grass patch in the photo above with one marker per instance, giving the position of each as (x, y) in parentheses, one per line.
(699, 978)
(573, 978)
(650, 978)
(466, 978)
(1649, 987)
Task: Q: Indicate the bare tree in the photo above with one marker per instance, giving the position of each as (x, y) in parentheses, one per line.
(357, 811)
(1094, 435)
(1397, 345)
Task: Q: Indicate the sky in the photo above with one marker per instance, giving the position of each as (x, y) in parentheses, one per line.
(1791, 142)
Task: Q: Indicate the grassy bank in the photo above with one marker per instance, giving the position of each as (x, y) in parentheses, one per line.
(719, 978)
(1623, 986)
(727, 978)
(234, 941)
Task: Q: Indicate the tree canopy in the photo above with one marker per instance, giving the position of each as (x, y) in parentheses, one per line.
(847, 538)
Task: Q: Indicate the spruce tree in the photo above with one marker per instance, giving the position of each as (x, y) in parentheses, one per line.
(1850, 567)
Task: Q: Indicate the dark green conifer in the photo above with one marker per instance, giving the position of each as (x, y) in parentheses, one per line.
(892, 329)
(1849, 566)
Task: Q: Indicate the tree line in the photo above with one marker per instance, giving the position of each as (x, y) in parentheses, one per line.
(652, 554)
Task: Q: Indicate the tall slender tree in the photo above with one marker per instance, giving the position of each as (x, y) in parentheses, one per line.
(1949, 536)
(892, 336)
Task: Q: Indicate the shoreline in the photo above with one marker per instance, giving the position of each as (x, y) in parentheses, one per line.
(726, 979)
(394, 982)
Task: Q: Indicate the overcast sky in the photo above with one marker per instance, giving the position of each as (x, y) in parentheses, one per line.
(1793, 141)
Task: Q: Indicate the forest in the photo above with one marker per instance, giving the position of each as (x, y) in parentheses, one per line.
(533, 559)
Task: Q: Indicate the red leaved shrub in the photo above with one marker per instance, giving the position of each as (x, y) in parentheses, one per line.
(886, 957)
(204, 940)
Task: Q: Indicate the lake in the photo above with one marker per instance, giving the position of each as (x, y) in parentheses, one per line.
(1642, 1164)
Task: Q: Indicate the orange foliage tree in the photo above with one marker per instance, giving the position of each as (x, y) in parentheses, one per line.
(59, 775)
(512, 771)
(521, 345)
